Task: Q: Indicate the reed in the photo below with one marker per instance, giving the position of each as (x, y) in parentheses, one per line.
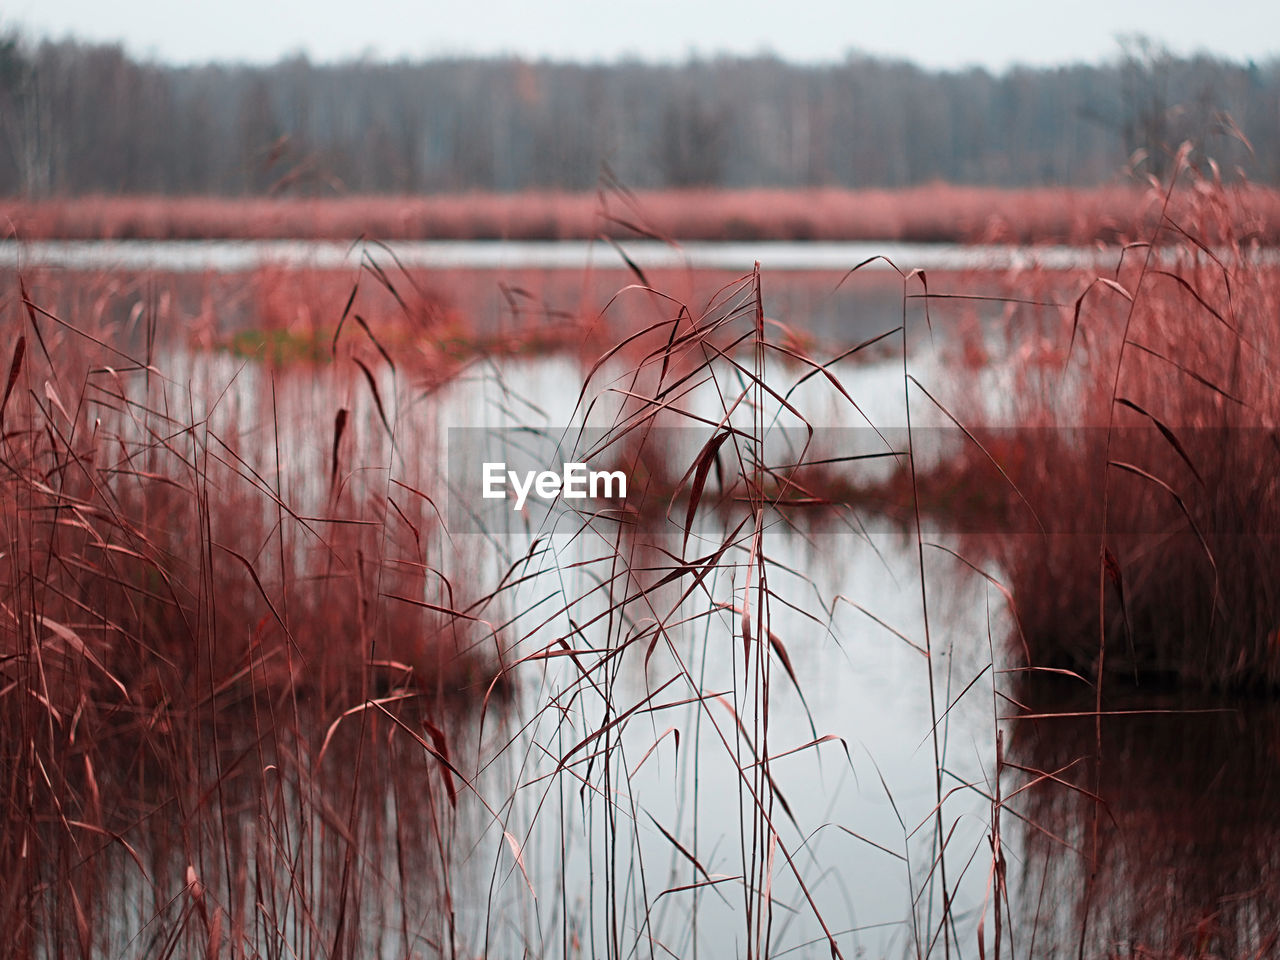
(1128, 480)
(194, 587)
(263, 698)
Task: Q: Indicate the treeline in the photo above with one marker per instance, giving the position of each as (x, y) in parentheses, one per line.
(78, 118)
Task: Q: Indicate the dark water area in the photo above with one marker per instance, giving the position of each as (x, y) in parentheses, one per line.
(1178, 855)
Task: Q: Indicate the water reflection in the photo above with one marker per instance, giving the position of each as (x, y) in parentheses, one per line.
(1186, 859)
(853, 812)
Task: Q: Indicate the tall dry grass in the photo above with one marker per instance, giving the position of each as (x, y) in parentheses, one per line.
(244, 658)
(205, 562)
(1128, 490)
(253, 698)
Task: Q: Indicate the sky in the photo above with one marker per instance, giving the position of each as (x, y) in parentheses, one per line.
(934, 33)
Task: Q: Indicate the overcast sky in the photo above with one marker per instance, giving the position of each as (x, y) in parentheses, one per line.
(935, 33)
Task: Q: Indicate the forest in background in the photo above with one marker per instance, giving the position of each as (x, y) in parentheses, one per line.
(78, 118)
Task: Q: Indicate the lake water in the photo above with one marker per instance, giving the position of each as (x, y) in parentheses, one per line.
(238, 255)
(637, 843)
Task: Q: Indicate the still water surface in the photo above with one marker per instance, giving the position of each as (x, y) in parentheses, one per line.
(237, 255)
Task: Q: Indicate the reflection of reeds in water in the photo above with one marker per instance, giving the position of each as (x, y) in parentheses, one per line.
(1187, 863)
(236, 837)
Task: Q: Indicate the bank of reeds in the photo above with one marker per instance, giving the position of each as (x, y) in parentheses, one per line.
(204, 562)
(1128, 491)
(931, 213)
